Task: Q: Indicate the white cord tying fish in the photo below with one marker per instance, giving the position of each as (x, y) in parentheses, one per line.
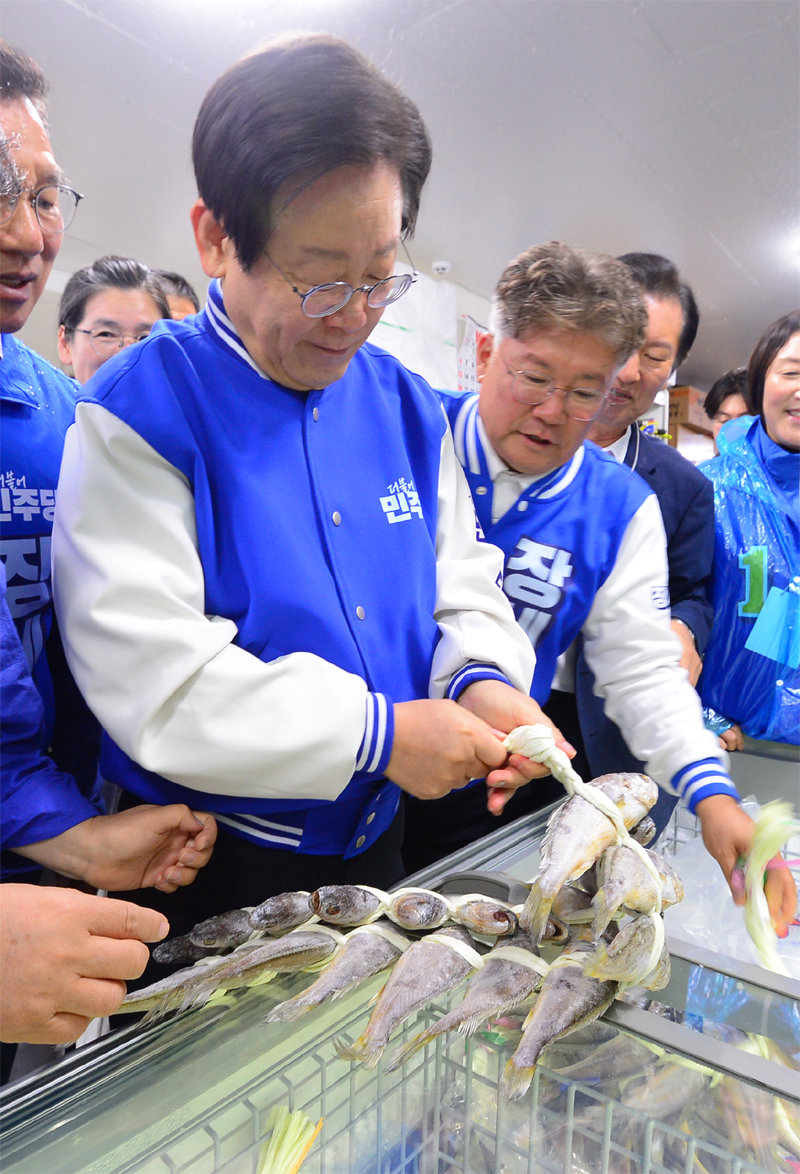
(470, 956)
(522, 957)
(537, 743)
(340, 939)
(383, 931)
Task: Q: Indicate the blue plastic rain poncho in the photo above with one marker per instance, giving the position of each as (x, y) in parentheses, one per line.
(751, 673)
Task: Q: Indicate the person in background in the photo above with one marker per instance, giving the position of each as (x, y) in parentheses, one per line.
(266, 561)
(751, 673)
(63, 954)
(584, 545)
(106, 306)
(726, 400)
(687, 507)
(181, 296)
(37, 405)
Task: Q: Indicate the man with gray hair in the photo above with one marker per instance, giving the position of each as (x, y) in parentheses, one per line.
(583, 540)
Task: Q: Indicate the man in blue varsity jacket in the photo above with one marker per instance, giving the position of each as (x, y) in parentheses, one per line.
(584, 545)
(266, 560)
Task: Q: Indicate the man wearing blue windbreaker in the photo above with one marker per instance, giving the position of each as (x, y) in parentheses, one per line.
(266, 561)
(64, 953)
(584, 544)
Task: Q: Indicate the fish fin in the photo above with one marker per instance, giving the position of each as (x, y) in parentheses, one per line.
(287, 1011)
(407, 1050)
(472, 1024)
(199, 996)
(157, 1013)
(535, 912)
(515, 1082)
(602, 913)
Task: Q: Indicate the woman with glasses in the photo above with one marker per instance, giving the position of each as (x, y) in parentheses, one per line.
(104, 308)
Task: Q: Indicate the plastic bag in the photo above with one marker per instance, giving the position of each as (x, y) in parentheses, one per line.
(751, 673)
(707, 915)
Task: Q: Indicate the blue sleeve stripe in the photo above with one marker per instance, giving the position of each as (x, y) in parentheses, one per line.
(699, 780)
(376, 744)
(470, 674)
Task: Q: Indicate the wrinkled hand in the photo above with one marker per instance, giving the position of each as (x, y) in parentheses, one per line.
(732, 738)
(439, 746)
(147, 846)
(150, 847)
(690, 659)
(728, 834)
(505, 708)
(64, 959)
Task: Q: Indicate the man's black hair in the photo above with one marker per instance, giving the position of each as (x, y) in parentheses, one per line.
(660, 278)
(290, 113)
(175, 285)
(21, 77)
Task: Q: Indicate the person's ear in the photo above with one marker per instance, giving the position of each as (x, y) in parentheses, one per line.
(213, 245)
(64, 347)
(483, 352)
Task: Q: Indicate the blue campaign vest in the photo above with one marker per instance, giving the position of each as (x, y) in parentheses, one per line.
(560, 538)
(312, 509)
(751, 671)
(37, 405)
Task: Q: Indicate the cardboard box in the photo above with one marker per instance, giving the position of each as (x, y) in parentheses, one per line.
(691, 442)
(686, 407)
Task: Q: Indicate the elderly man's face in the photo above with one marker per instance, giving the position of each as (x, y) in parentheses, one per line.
(26, 253)
(537, 439)
(647, 371)
(343, 227)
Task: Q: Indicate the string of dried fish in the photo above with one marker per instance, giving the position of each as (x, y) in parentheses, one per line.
(537, 742)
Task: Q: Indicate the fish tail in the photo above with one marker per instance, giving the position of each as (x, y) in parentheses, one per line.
(353, 1052)
(535, 912)
(515, 1081)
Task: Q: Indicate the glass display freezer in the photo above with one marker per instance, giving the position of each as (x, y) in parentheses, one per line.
(714, 1086)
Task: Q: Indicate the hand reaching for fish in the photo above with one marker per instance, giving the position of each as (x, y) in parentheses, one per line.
(728, 835)
(66, 956)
